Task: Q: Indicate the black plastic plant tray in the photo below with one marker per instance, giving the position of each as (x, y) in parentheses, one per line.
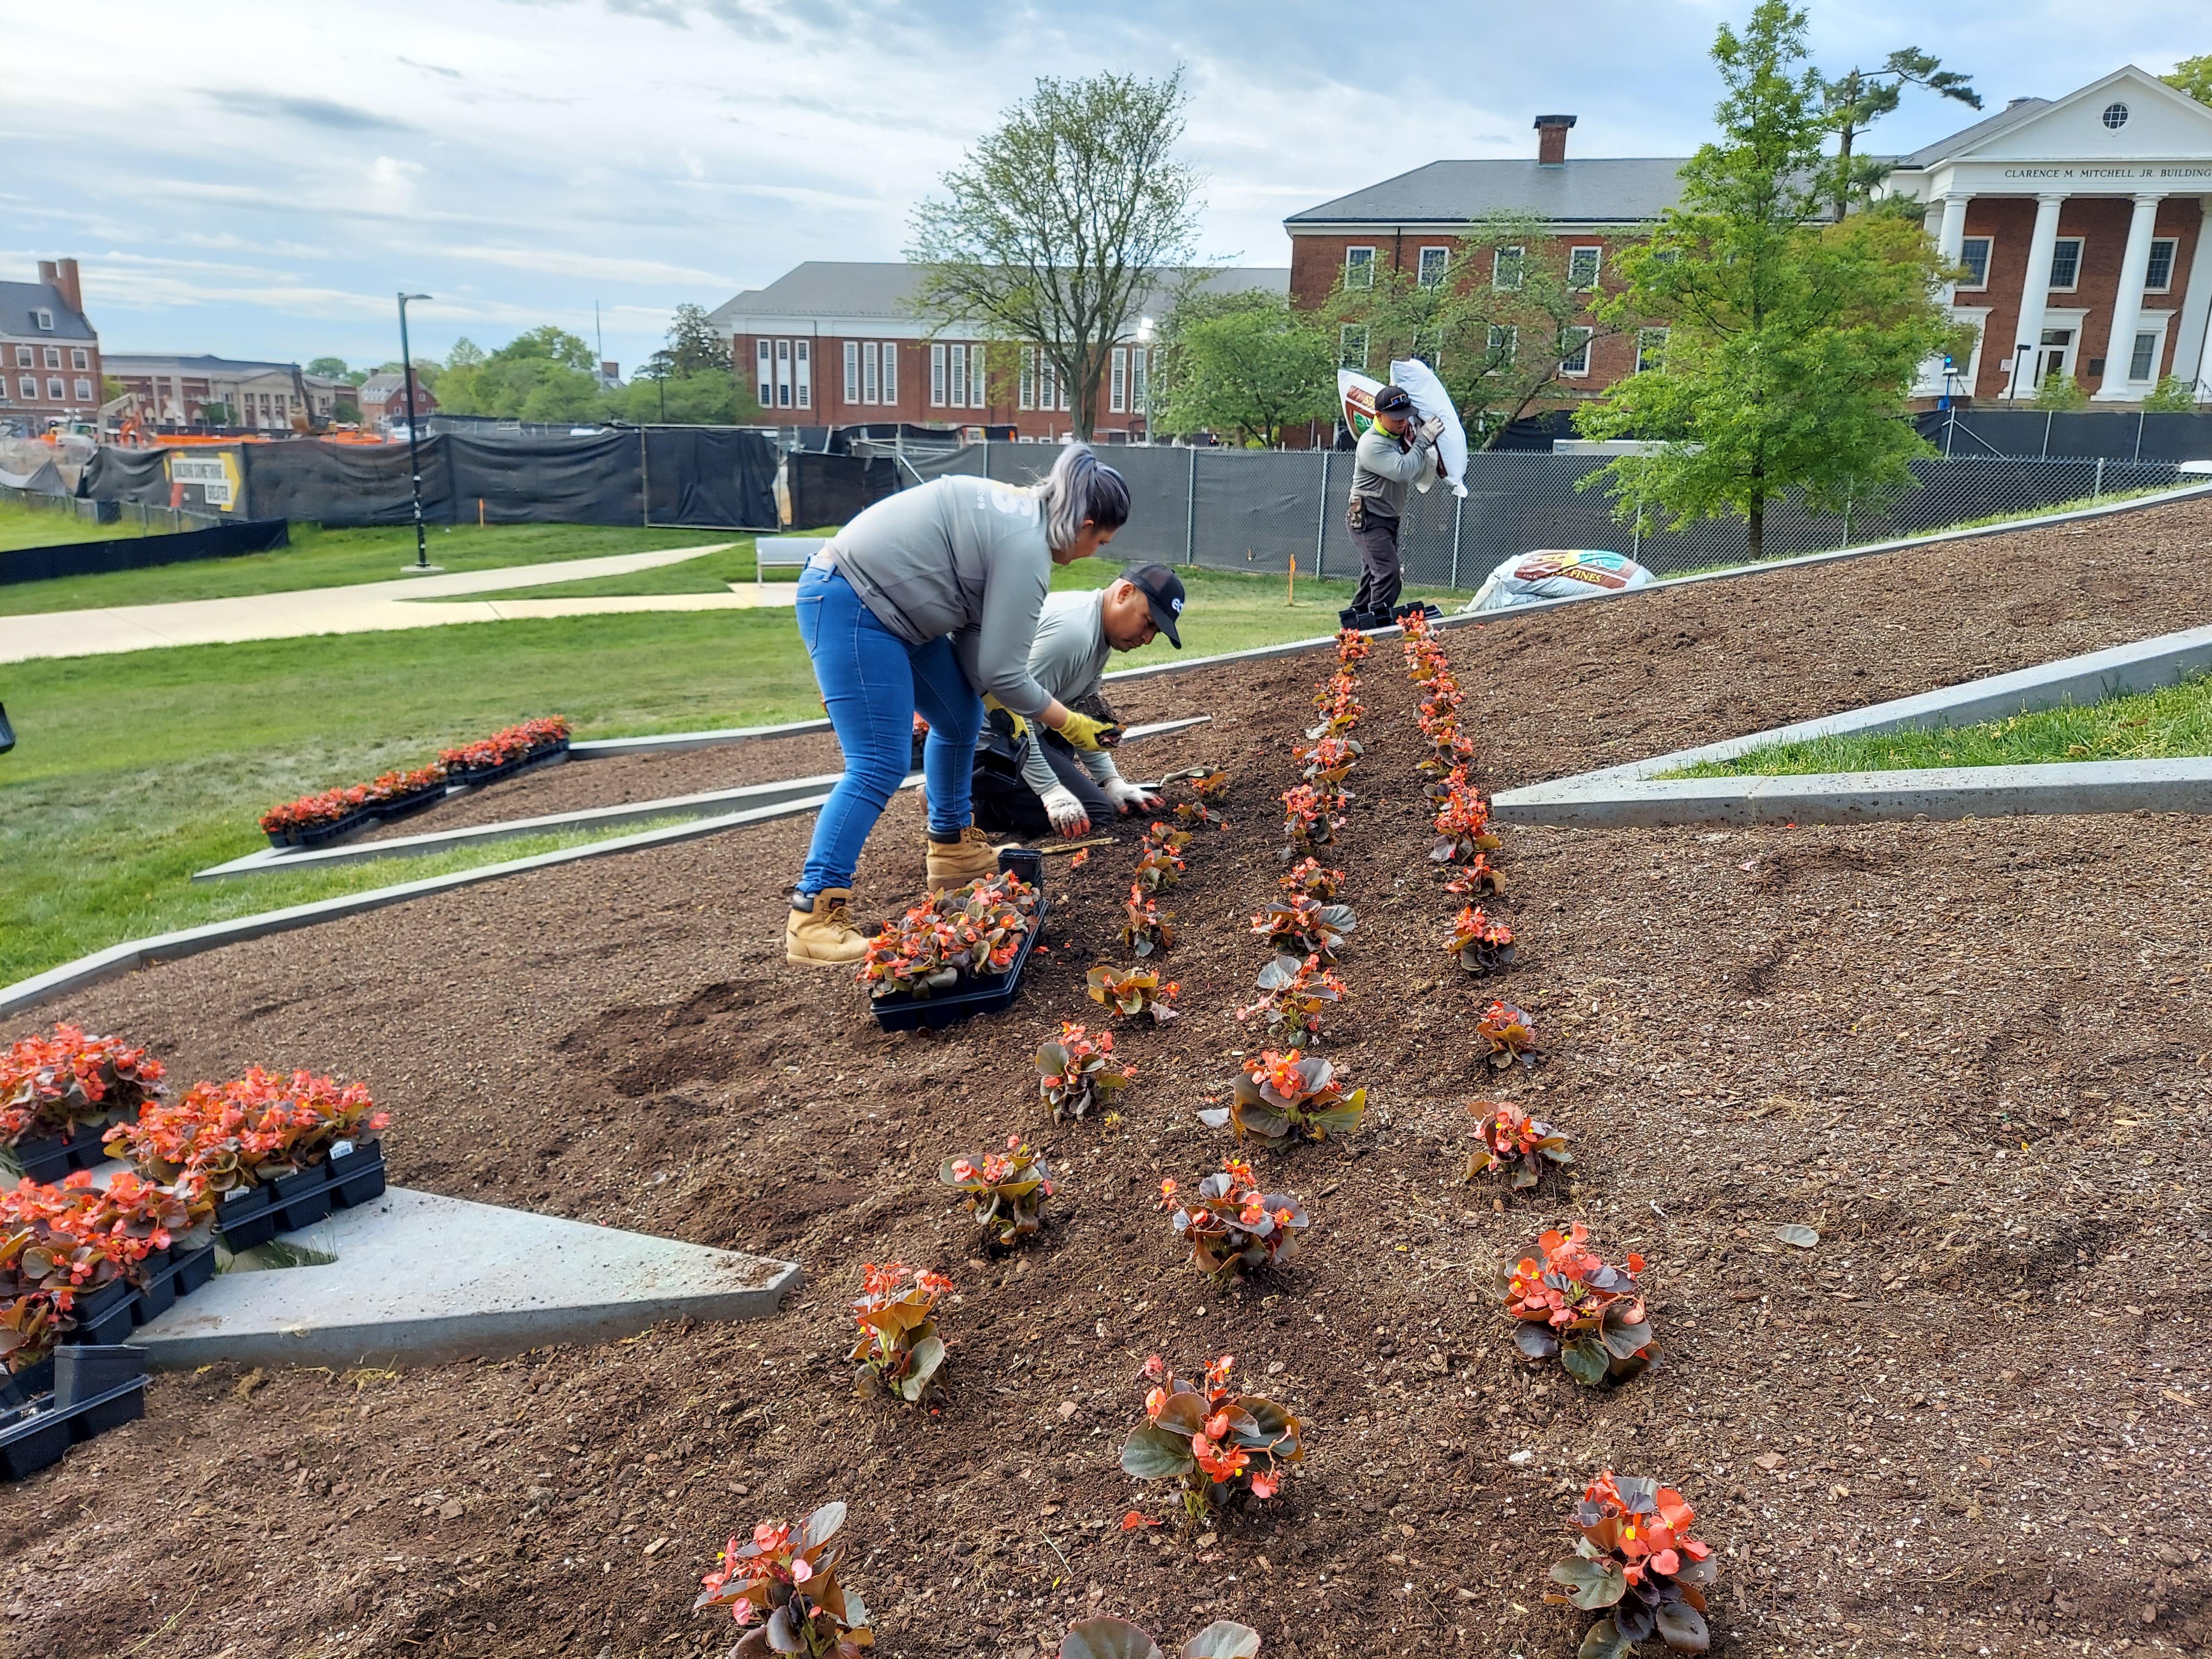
(400, 807)
(479, 777)
(105, 1316)
(36, 1440)
(49, 1157)
(29, 1383)
(302, 1199)
(321, 835)
(990, 994)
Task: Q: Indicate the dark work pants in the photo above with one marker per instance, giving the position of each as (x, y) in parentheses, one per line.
(1379, 579)
(1006, 805)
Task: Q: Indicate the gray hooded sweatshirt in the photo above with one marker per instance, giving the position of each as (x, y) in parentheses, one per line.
(1381, 470)
(957, 555)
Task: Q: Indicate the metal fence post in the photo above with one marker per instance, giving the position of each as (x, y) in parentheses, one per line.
(645, 484)
(1320, 520)
(1190, 512)
(2048, 417)
(1458, 502)
(1846, 541)
(2142, 415)
(2097, 490)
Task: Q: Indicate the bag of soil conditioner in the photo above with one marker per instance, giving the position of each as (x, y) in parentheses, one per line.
(1431, 400)
(1556, 573)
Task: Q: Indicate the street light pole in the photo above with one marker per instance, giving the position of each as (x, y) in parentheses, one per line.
(421, 565)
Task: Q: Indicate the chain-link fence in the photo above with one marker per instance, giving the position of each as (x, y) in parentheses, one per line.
(125, 515)
(1238, 510)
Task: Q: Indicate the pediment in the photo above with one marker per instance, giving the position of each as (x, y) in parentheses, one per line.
(2161, 124)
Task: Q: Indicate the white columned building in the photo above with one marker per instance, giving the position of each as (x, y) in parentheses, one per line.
(2081, 223)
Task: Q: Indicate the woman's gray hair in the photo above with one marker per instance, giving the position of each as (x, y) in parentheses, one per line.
(1081, 487)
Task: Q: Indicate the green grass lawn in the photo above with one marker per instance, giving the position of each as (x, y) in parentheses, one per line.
(2176, 720)
(342, 558)
(134, 770)
(30, 527)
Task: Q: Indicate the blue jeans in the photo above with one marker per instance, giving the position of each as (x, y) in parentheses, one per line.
(873, 682)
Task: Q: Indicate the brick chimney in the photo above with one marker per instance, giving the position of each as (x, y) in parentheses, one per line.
(72, 290)
(1552, 139)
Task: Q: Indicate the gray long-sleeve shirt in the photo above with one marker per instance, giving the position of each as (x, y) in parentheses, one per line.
(957, 555)
(1068, 659)
(1381, 471)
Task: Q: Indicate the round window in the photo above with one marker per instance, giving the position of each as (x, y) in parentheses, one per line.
(2115, 116)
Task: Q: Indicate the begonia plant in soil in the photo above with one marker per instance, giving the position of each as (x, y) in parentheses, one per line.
(1476, 877)
(1351, 646)
(1479, 944)
(1076, 1070)
(1571, 1305)
(1005, 1190)
(1207, 795)
(1514, 1144)
(899, 1351)
(328, 806)
(1234, 1229)
(1636, 1563)
(783, 1582)
(50, 1086)
(1508, 1037)
(1146, 930)
(1284, 1097)
(974, 930)
(247, 1132)
(1133, 991)
(1158, 868)
(1462, 828)
(1294, 995)
(1117, 1638)
(1220, 1447)
(31, 1323)
(1301, 927)
(1309, 821)
(1327, 760)
(1311, 879)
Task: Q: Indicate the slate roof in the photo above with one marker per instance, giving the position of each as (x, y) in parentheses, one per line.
(19, 301)
(1624, 190)
(1988, 127)
(843, 287)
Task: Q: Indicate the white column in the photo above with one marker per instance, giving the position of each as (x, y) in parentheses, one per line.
(1951, 236)
(2188, 358)
(2127, 307)
(2034, 295)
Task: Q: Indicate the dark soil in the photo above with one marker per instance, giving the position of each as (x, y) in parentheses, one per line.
(1971, 1055)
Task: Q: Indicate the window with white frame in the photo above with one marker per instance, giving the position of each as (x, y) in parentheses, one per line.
(45, 318)
(891, 372)
(1352, 347)
(23, 356)
(82, 359)
(937, 374)
(764, 373)
(1582, 266)
(802, 372)
(979, 382)
(1974, 254)
(1137, 387)
(1025, 393)
(3, 390)
(1359, 267)
(54, 392)
(957, 377)
(28, 385)
(1577, 359)
(53, 356)
(2065, 264)
(83, 391)
(1047, 384)
(783, 374)
(872, 355)
(1504, 343)
(1650, 348)
(2142, 363)
(1435, 263)
(853, 372)
(2158, 275)
(1117, 382)
(1507, 267)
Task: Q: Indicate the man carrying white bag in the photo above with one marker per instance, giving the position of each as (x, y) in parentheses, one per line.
(1409, 434)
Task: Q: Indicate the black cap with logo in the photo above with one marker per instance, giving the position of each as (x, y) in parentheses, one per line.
(1163, 592)
(1393, 400)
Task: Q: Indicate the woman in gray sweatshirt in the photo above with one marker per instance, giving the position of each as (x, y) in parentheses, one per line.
(926, 602)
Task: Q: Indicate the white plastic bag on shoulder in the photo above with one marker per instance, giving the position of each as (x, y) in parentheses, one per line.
(1432, 401)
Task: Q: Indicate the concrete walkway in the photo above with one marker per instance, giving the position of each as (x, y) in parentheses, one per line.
(366, 608)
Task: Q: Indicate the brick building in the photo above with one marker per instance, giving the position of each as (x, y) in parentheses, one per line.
(383, 400)
(838, 344)
(169, 391)
(50, 364)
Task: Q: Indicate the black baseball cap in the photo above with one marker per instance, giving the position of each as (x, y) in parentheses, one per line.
(1163, 592)
(1393, 400)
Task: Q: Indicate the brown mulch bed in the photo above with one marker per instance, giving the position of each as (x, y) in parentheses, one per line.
(1971, 1055)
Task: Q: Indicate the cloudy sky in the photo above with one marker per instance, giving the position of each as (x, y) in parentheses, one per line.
(258, 178)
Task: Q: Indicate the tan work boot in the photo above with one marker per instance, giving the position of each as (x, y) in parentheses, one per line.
(822, 935)
(956, 863)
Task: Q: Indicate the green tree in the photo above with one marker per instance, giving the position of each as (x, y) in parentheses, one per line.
(694, 345)
(331, 368)
(1056, 227)
(544, 374)
(2194, 76)
(1857, 99)
(1245, 363)
(1497, 327)
(2061, 392)
(465, 354)
(2171, 396)
(1793, 346)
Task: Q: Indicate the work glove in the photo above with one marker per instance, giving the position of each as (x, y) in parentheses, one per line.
(1021, 726)
(1130, 797)
(1432, 429)
(1066, 812)
(1090, 734)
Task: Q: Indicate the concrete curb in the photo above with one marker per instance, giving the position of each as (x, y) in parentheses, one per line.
(420, 1278)
(1949, 791)
(1638, 793)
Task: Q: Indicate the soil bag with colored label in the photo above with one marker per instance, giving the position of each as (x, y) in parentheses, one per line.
(1557, 574)
(1432, 401)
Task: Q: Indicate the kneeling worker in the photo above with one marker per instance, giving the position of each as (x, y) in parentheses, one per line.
(1028, 781)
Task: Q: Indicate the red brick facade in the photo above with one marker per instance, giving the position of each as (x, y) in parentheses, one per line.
(50, 364)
